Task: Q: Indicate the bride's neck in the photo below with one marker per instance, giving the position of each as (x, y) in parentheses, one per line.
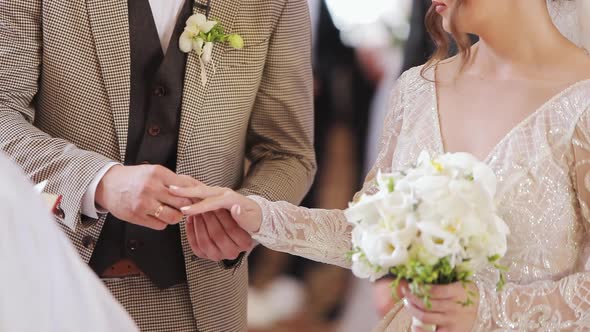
(522, 43)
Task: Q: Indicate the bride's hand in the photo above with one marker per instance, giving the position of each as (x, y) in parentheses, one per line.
(447, 312)
(243, 210)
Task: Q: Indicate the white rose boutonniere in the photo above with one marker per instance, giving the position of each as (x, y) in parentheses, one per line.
(200, 35)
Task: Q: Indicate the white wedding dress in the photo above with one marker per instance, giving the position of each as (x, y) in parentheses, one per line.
(44, 285)
(543, 169)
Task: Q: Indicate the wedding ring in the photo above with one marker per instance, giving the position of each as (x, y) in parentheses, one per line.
(159, 211)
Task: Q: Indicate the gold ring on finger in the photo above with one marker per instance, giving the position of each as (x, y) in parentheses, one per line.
(159, 211)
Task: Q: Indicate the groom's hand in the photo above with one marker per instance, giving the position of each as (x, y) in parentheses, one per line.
(219, 222)
(140, 195)
(217, 236)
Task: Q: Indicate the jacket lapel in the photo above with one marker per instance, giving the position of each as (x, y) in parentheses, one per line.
(110, 28)
(195, 94)
(206, 279)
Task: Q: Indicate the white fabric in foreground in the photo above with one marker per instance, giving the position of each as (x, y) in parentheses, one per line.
(44, 285)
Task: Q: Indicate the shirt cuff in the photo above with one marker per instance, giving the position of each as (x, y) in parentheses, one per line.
(89, 207)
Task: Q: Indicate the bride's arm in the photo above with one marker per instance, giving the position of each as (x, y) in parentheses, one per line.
(321, 235)
(562, 305)
(324, 235)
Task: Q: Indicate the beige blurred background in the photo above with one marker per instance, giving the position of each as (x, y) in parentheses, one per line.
(357, 56)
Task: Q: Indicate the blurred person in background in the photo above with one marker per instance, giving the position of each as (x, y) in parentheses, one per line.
(345, 78)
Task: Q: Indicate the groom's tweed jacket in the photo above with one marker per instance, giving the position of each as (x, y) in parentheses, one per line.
(64, 111)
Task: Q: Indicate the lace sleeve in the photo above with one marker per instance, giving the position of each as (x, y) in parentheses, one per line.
(324, 235)
(561, 305)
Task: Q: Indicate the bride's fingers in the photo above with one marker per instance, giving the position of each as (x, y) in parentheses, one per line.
(200, 191)
(426, 317)
(448, 292)
(225, 202)
(414, 300)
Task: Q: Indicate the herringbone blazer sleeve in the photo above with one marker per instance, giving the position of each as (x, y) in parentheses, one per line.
(68, 169)
(280, 138)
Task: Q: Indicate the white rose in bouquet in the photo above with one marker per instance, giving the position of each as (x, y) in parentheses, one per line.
(435, 223)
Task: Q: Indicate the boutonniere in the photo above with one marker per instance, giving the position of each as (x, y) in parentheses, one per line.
(200, 35)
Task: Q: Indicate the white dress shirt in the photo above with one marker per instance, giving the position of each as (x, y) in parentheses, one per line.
(165, 14)
(44, 285)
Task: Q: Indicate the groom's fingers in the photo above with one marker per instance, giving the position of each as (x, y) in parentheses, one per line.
(204, 241)
(192, 237)
(152, 222)
(228, 248)
(173, 201)
(170, 178)
(239, 236)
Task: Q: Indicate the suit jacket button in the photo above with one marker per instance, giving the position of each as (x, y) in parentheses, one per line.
(87, 221)
(88, 242)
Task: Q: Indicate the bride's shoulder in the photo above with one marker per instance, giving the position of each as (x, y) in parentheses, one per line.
(416, 74)
(416, 80)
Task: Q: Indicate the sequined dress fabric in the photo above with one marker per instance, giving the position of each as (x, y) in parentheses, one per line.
(543, 169)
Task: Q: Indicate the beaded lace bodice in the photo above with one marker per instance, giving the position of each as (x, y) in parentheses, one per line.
(543, 169)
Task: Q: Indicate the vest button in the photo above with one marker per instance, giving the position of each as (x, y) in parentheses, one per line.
(159, 91)
(154, 130)
(88, 242)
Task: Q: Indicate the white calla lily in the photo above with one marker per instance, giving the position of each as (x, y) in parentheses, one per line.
(483, 174)
(437, 240)
(394, 205)
(200, 22)
(365, 210)
(186, 42)
(189, 39)
(360, 267)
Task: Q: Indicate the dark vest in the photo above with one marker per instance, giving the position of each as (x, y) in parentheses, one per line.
(154, 121)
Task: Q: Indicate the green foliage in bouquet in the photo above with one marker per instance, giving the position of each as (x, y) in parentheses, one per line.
(422, 276)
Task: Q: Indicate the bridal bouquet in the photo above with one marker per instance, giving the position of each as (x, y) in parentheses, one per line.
(435, 223)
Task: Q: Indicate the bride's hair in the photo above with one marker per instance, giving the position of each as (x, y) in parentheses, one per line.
(442, 39)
